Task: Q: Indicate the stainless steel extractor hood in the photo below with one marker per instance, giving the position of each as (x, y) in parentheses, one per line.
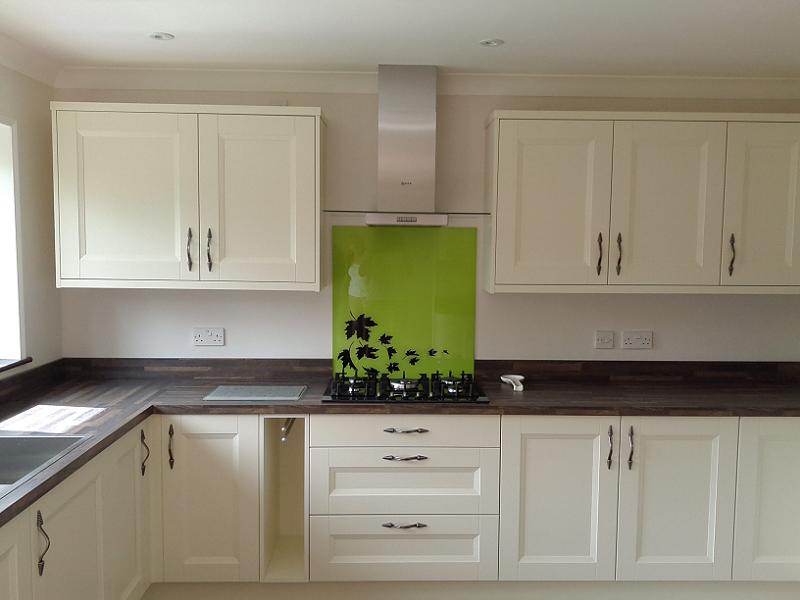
(406, 147)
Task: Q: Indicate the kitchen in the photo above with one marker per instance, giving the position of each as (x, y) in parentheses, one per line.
(687, 420)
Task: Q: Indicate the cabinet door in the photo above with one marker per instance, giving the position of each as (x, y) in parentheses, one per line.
(126, 535)
(127, 195)
(767, 543)
(676, 498)
(553, 198)
(666, 204)
(15, 559)
(71, 515)
(558, 498)
(762, 205)
(258, 200)
(211, 510)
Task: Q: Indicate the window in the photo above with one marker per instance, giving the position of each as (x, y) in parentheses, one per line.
(10, 322)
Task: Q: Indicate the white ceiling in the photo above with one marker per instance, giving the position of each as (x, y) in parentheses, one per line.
(736, 38)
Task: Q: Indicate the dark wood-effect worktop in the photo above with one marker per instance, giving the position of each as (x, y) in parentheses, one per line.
(131, 390)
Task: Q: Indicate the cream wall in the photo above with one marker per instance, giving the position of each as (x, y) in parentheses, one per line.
(274, 324)
(26, 103)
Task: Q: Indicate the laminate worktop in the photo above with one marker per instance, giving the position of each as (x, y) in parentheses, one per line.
(127, 401)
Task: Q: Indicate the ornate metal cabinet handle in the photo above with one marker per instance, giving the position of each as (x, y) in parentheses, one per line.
(610, 446)
(391, 525)
(619, 247)
(415, 430)
(189, 248)
(169, 447)
(630, 441)
(147, 449)
(405, 458)
(40, 527)
(733, 255)
(208, 249)
(600, 257)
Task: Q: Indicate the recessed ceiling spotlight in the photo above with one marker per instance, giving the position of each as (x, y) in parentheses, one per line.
(162, 36)
(492, 42)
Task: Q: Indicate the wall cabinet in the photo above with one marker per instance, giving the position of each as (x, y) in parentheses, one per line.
(15, 559)
(211, 497)
(187, 196)
(761, 233)
(558, 498)
(676, 498)
(642, 202)
(767, 496)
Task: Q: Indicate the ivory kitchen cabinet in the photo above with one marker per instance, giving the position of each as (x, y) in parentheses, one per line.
(761, 232)
(767, 496)
(15, 559)
(258, 201)
(130, 483)
(187, 196)
(211, 497)
(558, 497)
(676, 498)
(70, 516)
(553, 201)
(667, 202)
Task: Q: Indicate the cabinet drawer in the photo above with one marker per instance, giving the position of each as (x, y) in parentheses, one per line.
(404, 480)
(406, 430)
(365, 548)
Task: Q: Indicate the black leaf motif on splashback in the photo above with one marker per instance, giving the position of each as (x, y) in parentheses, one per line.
(432, 352)
(385, 339)
(412, 353)
(359, 326)
(413, 360)
(391, 352)
(371, 372)
(392, 367)
(366, 351)
(445, 352)
(346, 360)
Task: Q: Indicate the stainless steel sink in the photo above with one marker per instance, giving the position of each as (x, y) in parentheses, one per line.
(23, 455)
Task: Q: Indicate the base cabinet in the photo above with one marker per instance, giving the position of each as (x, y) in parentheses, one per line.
(15, 560)
(676, 498)
(403, 548)
(767, 499)
(211, 498)
(558, 498)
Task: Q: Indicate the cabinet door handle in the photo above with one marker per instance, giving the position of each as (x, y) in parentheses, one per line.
(208, 249)
(610, 446)
(600, 257)
(40, 527)
(189, 248)
(405, 458)
(630, 441)
(619, 247)
(415, 430)
(147, 449)
(733, 255)
(391, 525)
(169, 447)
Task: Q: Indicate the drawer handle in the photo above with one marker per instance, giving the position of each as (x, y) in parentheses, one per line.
(415, 430)
(405, 458)
(391, 525)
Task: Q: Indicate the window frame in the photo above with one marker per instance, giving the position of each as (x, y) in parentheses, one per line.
(12, 123)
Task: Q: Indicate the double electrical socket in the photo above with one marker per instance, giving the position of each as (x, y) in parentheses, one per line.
(633, 339)
(208, 336)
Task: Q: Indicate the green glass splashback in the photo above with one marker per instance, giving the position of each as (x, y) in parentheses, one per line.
(403, 299)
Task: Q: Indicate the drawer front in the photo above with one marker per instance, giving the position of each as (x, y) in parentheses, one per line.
(365, 481)
(363, 548)
(481, 431)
